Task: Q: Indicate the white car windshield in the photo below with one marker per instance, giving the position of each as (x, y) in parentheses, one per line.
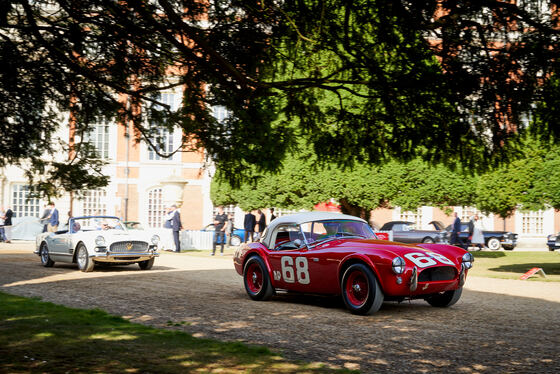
(96, 223)
(331, 229)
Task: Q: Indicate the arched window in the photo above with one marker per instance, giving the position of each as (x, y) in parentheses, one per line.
(155, 208)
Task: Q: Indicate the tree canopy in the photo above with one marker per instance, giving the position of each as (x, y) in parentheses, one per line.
(362, 81)
(529, 183)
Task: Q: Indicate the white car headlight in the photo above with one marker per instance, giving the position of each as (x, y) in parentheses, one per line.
(398, 265)
(155, 240)
(100, 241)
(468, 259)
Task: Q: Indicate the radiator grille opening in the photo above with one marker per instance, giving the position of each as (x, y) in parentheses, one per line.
(440, 273)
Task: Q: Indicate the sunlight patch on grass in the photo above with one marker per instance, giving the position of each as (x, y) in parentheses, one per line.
(113, 336)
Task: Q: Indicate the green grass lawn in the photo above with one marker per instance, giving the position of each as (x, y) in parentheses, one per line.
(512, 265)
(43, 337)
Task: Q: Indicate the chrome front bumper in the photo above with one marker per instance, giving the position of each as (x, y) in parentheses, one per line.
(104, 255)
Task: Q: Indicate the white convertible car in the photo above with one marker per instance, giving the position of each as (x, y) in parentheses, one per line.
(94, 240)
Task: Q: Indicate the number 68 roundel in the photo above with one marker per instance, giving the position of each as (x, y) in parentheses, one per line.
(426, 259)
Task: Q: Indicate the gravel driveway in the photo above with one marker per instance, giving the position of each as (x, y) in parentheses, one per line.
(498, 326)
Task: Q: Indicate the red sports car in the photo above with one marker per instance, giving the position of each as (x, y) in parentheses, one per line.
(337, 254)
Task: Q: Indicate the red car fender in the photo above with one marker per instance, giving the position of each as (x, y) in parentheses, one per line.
(358, 257)
(257, 249)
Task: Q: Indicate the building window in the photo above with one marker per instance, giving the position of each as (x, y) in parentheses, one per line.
(468, 211)
(412, 216)
(162, 142)
(532, 222)
(22, 205)
(162, 139)
(155, 208)
(99, 138)
(228, 209)
(94, 203)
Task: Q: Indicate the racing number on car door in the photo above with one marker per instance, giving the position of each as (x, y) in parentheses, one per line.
(423, 260)
(295, 270)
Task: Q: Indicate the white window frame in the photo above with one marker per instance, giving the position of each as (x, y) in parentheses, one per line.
(100, 137)
(21, 205)
(155, 207)
(94, 202)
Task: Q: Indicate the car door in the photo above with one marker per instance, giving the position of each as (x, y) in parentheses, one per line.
(293, 265)
(59, 246)
(305, 268)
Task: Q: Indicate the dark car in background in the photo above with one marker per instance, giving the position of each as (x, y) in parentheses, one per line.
(494, 240)
(553, 241)
(406, 232)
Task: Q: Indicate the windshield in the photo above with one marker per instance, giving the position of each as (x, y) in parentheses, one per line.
(331, 229)
(96, 223)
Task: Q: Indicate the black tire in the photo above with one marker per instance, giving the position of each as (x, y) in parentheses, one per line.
(45, 258)
(428, 240)
(85, 263)
(236, 241)
(361, 292)
(551, 249)
(445, 299)
(147, 264)
(256, 279)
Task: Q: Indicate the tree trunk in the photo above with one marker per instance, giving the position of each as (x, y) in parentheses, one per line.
(354, 210)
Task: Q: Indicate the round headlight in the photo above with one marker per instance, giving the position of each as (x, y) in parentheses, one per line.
(468, 259)
(398, 265)
(155, 239)
(100, 241)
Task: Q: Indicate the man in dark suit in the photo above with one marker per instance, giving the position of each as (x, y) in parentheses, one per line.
(249, 225)
(176, 226)
(455, 230)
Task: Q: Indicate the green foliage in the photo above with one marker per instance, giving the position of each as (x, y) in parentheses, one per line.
(360, 82)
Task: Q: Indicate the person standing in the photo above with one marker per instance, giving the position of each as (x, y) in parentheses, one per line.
(2, 235)
(261, 223)
(249, 225)
(44, 218)
(219, 226)
(477, 237)
(53, 219)
(8, 224)
(455, 230)
(471, 230)
(272, 216)
(168, 240)
(176, 226)
(229, 228)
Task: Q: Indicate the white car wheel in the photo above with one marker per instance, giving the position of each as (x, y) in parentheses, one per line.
(85, 263)
(235, 240)
(493, 244)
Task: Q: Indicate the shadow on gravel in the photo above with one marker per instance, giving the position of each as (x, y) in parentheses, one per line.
(484, 332)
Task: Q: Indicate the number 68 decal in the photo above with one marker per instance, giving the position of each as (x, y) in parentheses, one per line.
(423, 260)
(300, 272)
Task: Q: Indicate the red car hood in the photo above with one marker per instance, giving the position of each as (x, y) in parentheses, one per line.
(401, 249)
